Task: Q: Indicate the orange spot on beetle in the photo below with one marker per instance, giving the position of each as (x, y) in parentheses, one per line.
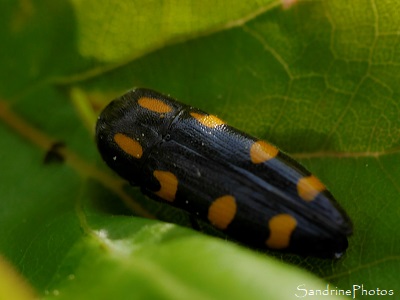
(281, 228)
(309, 187)
(262, 151)
(169, 185)
(222, 211)
(154, 105)
(207, 120)
(128, 145)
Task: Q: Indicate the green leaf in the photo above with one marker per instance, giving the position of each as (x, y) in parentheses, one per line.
(319, 79)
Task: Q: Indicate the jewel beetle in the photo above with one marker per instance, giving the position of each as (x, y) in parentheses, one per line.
(243, 186)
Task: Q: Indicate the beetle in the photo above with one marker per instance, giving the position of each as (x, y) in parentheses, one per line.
(243, 186)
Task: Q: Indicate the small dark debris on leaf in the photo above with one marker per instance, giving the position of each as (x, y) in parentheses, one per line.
(54, 155)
